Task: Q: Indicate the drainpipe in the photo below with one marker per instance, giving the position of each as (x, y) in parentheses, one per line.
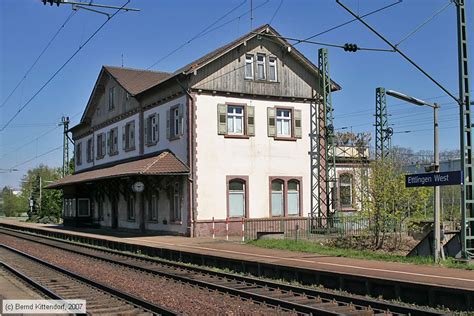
(191, 177)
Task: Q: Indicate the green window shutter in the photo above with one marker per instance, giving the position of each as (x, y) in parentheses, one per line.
(297, 123)
(271, 121)
(132, 135)
(109, 142)
(168, 124)
(250, 120)
(181, 120)
(221, 119)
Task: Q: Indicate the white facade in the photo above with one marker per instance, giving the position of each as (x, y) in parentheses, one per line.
(257, 157)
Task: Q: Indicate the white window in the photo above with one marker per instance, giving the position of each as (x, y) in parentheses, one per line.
(176, 124)
(129, 136)
(176, 203)
(283, 120)
(236, 198)
(100, 146)
(113, 145)
(152, 129)
(131, 208)
(248, 66)
(272, 69)
(78, 154)
(261, 67)
(153, 207)
(90, 149)
(111, 98)
(293, 197)
(235, 120)
(83, 207)
(277, 198)
(345, 190)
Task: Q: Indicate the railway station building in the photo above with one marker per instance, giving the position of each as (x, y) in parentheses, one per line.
(224, 137)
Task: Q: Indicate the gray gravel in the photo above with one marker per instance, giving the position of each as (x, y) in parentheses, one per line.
(182, 298)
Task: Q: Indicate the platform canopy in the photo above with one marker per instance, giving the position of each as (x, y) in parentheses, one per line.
(165, 163)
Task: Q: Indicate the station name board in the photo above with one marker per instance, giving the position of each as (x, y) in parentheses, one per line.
(433, 179)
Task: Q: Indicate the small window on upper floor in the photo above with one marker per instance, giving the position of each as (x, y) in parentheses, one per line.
(111, 98)
(128, 136)
(272, 69)
(78, 154)
(248, 66)
(90, 149)
(284, 122)
(174, 122)
(261, 67)
(152, 129)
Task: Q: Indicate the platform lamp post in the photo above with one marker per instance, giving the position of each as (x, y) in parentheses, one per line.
(435, 167)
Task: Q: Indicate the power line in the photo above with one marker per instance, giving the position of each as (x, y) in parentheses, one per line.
(60, 68)
(38, 58)
(349, 21)
(276, 11)
(37, 156)
(425, 22)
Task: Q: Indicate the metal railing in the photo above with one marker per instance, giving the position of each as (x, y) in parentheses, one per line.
(306, 227)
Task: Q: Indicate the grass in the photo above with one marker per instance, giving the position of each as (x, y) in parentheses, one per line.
(317, 248)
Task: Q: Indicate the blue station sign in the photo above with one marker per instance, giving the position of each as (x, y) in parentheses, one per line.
(433, 179)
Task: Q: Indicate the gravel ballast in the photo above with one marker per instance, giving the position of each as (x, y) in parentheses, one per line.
(180, 297)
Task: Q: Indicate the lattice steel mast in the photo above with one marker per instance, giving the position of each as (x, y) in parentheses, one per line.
(467, 203)
(323, 159)
(65, 124)
(383, 133)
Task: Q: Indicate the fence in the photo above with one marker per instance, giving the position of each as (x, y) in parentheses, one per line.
(306, 227)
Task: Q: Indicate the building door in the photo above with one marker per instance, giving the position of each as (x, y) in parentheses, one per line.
(114, 214)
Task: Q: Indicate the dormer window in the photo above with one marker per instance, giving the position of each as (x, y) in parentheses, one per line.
(248, 66)
(261, 67)
(272, 69)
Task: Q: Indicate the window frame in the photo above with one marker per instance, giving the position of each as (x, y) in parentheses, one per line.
(262, 63)
(88, 207)
(251, 63)
(112, 98)
(245, 180)
(351, 190)
(291, 120)
(113, 145)
(100, 153)
(286, 180)
(273, 60)
(151, 211)
(90, 150)
(129, 135)
(176, 208)
(78, 154)
(152, 129)
(131, 214)
(243, 116)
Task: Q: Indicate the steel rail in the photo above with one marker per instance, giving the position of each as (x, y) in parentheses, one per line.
(296, 290)
(44, 290)
(153, 308)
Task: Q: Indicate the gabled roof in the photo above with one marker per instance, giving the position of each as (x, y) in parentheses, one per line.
(264, 29)
(135, 81)
(166, 163)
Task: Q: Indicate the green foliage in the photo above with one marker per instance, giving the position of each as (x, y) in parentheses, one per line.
(318, 248)
(47, 203)
(386, 200)
(13, 205)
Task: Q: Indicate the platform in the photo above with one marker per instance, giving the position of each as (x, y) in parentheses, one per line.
(387, 279)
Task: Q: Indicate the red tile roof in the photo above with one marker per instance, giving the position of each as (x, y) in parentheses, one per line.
(165, 163)
(136, 80)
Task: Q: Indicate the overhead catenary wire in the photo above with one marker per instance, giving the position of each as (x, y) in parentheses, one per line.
(61, 68)
(38, 58)
(36, 157)
(425, 22)
(276, 11)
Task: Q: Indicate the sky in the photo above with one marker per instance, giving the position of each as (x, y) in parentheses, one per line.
(150, 39)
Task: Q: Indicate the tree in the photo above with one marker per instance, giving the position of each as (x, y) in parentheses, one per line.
(47, 203)
(387, 203)
(12, 204)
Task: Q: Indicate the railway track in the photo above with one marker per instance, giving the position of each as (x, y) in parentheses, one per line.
(60, 284)
(302, 300)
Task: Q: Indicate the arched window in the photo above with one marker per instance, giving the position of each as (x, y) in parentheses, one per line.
(277, 198)
(237, 198)
(345, 190)
(293, 197)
